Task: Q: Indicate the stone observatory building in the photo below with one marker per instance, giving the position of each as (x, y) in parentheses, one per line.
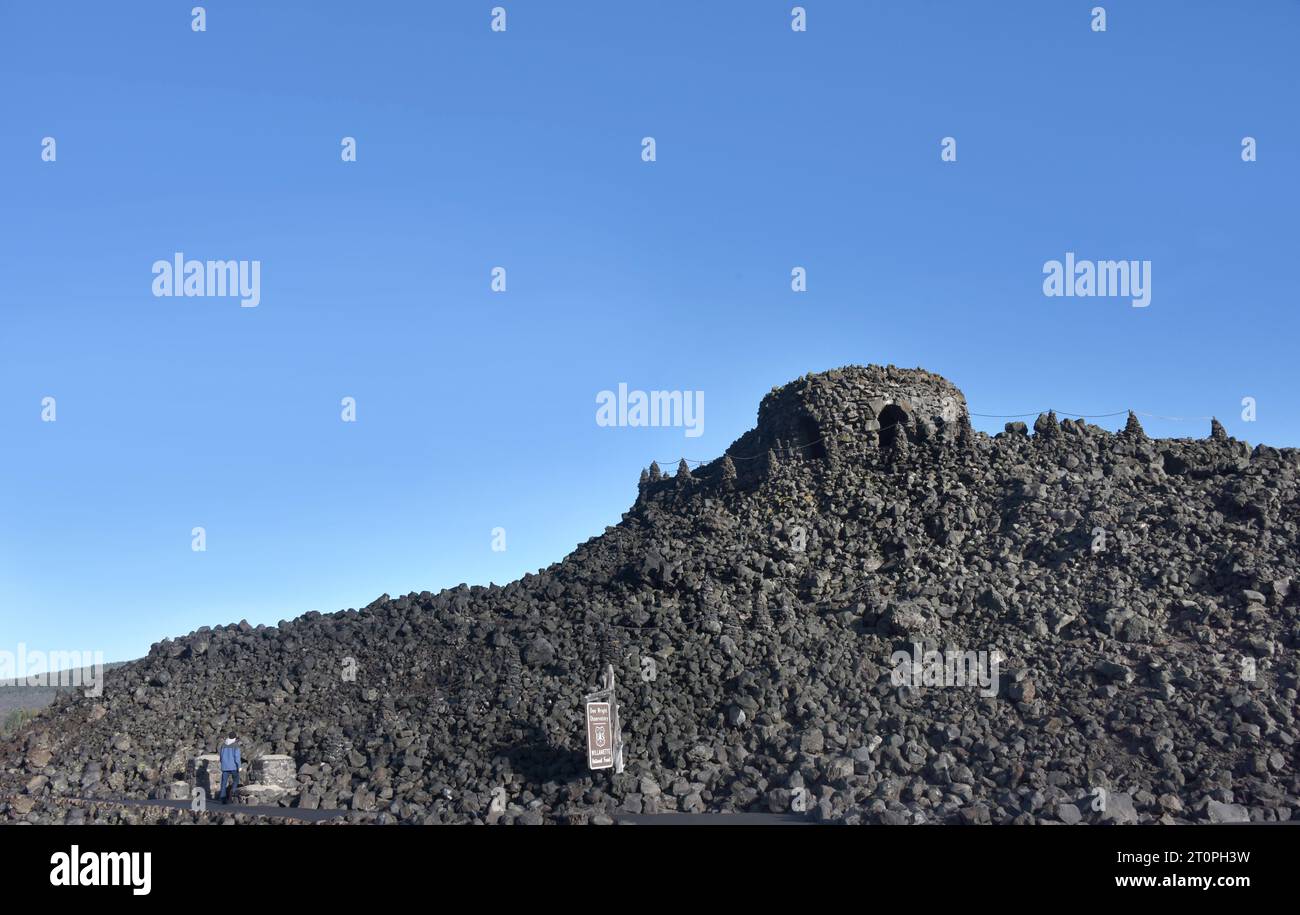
(848, 414)
(840, 413)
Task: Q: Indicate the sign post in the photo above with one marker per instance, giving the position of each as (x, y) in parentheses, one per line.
(604, 738)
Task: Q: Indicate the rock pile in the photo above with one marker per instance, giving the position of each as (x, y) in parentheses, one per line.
(864, 610)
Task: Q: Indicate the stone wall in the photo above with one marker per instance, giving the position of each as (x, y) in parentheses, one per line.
(265, 780)
(205, 772)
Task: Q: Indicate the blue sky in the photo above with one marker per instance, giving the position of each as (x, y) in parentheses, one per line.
(522, 149)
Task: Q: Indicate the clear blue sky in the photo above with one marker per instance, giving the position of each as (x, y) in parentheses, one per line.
(523, 149)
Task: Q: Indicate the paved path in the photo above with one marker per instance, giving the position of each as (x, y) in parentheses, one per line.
(318, 816)
(713, 819)
(292, 813)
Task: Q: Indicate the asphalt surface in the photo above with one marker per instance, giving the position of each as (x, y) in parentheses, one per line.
(629, 819)
(292, 813)
(712, 819)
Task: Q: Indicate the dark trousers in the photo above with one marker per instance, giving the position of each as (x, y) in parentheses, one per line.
(234, 783)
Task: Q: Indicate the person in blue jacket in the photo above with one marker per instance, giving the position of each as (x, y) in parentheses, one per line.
(230, 761)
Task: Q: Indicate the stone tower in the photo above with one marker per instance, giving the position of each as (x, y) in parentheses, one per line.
(850, 410)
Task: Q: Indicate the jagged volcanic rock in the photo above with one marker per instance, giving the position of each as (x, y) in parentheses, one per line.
(1137, 594)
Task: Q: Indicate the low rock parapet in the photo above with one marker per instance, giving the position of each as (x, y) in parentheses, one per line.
(205, 772)
(276, 770)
